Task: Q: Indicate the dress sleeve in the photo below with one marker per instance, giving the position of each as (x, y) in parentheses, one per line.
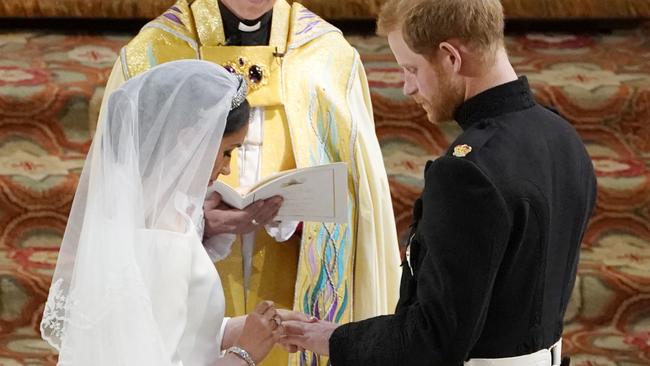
(463, 233)
(164, 260)
(219, 246)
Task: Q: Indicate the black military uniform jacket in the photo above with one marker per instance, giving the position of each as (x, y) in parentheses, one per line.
(495, 241)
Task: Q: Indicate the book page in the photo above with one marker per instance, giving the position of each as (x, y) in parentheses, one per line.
(317, 194)
(230, 195)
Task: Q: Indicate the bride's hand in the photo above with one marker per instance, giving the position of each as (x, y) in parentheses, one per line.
(261, 330)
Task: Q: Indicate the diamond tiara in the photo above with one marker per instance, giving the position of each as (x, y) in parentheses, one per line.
(240, 95)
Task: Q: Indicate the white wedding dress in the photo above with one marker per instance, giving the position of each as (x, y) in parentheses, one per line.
(186, 295)
(133, 285)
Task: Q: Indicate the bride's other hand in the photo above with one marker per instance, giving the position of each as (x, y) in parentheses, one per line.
(223, 219)
(261, 331)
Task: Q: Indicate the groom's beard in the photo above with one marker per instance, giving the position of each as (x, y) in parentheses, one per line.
(444, 102)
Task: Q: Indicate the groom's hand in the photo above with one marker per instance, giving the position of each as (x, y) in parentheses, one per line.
(288, 315)
(223, 219)
(314, 335)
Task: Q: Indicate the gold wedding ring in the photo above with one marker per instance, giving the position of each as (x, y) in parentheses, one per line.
(277, 320)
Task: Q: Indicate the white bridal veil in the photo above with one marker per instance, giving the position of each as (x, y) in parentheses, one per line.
(147, 171)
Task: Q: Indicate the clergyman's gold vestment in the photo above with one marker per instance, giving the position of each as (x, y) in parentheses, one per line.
(312, 87)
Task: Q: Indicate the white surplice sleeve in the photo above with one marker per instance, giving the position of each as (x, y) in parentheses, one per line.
(282, 230)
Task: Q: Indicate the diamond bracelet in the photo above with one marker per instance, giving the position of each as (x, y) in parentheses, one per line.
(242, 354)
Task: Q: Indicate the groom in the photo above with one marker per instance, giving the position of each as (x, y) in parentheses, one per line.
(493, 252)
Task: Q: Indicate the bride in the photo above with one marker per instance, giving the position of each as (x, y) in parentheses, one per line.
(133, 284)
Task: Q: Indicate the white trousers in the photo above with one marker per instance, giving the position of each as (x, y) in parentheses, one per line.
(544, 357)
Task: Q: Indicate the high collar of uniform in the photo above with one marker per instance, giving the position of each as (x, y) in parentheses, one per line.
(499, 100)
(232, 22)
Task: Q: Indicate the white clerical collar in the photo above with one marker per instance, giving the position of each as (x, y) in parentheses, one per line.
(249, 28)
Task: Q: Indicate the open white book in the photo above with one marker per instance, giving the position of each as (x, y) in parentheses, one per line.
(316, 194)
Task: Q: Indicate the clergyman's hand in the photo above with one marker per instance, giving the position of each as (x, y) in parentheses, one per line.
(313, 336)
(223, 219)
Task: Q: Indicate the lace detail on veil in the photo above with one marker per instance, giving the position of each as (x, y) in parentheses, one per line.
(65, 313)
(53, 323)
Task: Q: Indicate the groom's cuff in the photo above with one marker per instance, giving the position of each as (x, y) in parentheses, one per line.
(338, 345)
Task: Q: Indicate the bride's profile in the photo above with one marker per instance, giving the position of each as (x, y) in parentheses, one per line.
(133, 284)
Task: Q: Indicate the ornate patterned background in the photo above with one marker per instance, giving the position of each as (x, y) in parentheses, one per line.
(50, 86)
(339, 9)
